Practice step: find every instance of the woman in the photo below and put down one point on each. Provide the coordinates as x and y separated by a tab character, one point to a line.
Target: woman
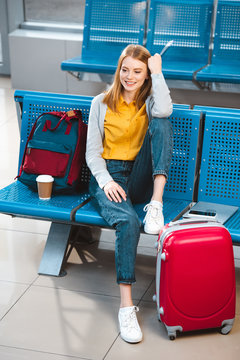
129	150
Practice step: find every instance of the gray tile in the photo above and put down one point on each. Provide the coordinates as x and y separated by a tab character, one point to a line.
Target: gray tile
205	345
20	255
237	275
236	250
148	296
8	162
7	353
8	222
5	83
10	293
61	322
92	269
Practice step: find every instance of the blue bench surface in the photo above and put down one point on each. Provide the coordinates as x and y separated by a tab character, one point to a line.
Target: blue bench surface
215	109
220	165
188	24
18	200
109	26
225	64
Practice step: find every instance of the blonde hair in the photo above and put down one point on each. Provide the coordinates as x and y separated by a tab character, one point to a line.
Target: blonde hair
112	96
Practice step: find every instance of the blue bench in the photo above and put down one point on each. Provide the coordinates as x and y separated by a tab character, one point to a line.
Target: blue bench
215	109
220	165
225	64
188	24
203	50
109	26
67	211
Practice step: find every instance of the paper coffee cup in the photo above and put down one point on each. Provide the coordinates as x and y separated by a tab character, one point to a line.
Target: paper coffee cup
44	184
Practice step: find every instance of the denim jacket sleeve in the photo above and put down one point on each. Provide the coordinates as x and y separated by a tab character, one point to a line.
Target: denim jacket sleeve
159	103
95	136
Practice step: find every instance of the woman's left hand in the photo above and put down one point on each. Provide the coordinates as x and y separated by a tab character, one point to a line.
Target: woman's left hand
155	64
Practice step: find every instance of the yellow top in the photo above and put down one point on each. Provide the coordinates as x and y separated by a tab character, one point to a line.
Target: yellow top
124	131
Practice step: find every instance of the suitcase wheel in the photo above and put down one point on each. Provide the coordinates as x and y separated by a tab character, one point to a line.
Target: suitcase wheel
172	335
226	329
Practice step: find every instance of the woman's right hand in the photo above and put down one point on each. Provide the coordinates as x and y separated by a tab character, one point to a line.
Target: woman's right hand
155	64
114	192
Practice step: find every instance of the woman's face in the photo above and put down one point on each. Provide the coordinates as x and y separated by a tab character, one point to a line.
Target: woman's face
133	73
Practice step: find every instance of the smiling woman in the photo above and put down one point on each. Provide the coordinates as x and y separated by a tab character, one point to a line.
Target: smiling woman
129	150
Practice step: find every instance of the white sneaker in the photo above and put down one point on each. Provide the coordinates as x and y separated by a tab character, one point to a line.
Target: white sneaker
129	328
153	221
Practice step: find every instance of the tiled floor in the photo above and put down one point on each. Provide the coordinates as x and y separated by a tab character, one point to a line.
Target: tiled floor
75	317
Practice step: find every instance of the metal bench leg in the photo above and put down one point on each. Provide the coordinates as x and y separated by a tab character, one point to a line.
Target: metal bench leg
55	249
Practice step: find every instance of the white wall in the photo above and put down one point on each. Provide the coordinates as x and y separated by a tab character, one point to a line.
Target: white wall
35	62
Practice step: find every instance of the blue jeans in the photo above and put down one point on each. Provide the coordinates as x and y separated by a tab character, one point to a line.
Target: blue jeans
136	178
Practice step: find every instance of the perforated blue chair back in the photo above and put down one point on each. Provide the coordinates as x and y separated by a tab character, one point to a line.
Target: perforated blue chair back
110	25
227	33
188	23
220	165
182	171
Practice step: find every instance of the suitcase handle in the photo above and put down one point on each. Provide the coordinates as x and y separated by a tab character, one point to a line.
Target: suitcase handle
191	221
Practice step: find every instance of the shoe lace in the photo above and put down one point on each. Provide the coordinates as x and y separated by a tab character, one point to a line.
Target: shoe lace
130	320
152	211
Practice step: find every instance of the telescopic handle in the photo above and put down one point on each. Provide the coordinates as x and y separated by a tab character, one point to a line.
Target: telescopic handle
169	43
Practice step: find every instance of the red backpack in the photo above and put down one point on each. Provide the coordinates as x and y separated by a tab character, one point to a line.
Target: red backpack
56	146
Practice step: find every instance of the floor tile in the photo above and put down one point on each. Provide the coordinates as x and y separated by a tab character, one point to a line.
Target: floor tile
8	353
9	149
10	293
5	83
237	301
237	275
92	269
236	250
20	256
61	322
7	110
205	345
8	222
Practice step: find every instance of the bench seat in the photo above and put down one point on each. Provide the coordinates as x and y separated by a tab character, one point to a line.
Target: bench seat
18	200
172	208
91	65
180	70
233	225
221	72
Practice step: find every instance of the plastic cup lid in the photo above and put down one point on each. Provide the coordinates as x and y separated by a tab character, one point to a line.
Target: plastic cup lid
44	178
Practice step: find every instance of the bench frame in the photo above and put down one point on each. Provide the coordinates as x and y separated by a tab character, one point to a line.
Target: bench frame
75	213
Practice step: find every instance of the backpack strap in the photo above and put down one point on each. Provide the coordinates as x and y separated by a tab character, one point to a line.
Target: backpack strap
68	116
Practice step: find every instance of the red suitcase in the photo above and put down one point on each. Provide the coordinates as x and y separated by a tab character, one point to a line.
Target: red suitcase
195	277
